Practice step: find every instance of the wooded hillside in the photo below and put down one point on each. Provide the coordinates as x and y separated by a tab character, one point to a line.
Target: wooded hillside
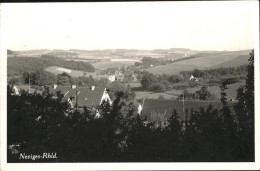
18	65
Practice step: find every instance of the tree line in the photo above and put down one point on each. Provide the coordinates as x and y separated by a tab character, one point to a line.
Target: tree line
38	123
148	61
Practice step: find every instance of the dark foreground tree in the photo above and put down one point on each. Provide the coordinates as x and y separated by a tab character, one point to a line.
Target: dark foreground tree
228	127
245	115
34	121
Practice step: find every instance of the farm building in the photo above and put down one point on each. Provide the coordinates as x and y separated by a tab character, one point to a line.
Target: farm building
119	76
134	77
80	97
161	109
192	78
111	78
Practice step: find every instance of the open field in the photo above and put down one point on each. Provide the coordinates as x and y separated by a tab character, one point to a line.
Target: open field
58	70
174	68
239	60
173	94
204	62
73	73
112	64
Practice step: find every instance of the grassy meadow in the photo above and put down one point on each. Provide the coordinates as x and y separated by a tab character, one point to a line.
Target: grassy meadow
239	60
174	93
73	73
208	61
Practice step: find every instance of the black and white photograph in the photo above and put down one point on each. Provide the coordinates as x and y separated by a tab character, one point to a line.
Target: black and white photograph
171	82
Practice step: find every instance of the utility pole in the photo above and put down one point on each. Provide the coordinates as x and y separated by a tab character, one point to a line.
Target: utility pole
183	110
76	100
183	103
29	94
29	86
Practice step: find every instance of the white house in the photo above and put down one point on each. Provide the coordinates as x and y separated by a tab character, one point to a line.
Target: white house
82	96
111	78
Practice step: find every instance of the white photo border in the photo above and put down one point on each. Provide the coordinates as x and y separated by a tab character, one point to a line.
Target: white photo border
120	166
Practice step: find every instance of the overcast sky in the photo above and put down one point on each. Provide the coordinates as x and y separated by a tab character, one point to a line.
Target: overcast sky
139	25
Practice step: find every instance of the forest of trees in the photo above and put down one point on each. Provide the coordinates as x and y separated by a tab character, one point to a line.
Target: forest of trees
148	61
18	65
39	77
38	123
217	74
202	94
161	83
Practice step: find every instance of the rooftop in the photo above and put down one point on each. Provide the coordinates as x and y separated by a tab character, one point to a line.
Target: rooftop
163	108
85	96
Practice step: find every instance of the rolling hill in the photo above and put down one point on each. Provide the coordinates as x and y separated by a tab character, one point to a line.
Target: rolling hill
239	60
210	60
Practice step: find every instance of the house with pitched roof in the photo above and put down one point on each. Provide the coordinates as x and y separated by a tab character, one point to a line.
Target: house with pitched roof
160	110
80	97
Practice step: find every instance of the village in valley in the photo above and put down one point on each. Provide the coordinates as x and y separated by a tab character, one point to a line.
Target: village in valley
142	72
